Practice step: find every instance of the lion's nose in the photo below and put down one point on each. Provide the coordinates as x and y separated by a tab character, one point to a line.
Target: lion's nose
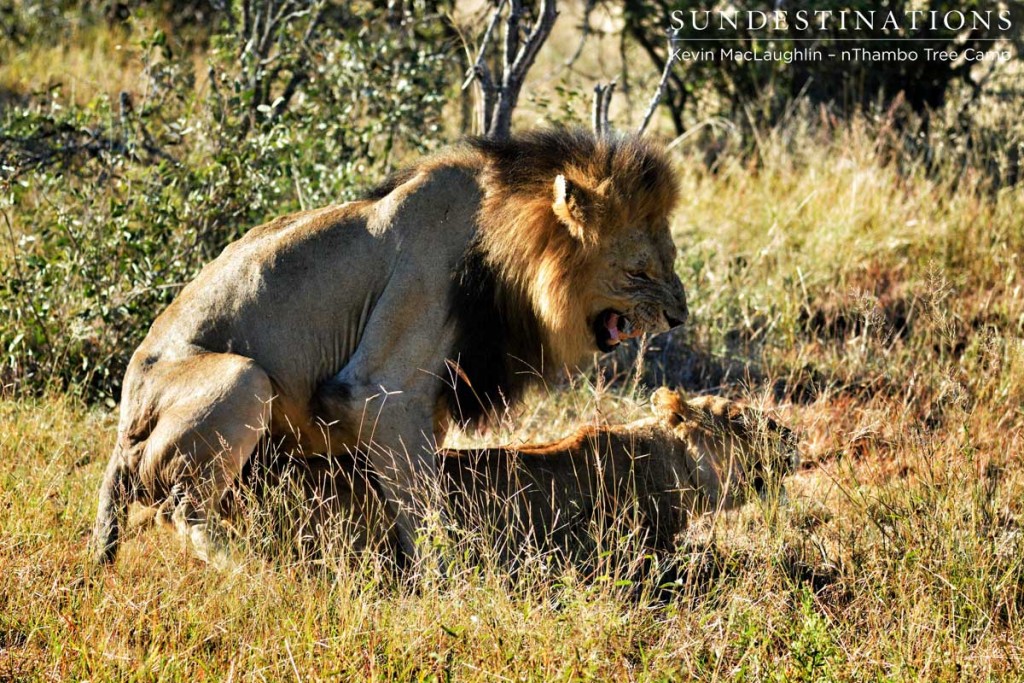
678	316
674	321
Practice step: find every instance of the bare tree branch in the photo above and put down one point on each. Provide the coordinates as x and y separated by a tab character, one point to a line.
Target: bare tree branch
512	80
541	31
584	33
660	91
275	61
479	67
482	74
498	97
246	17
512	35
602	102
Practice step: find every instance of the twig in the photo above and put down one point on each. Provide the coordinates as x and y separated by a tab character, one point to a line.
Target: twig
714	122
584	33
659	92
602	102
479	67
291	659
512	80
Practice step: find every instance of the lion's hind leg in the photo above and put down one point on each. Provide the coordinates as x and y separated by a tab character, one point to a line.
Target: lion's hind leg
210	412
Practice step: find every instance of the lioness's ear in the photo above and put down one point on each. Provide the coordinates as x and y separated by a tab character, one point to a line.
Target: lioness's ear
575	207
669	405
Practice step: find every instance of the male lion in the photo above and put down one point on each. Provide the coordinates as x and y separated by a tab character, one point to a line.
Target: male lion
647	476
369	325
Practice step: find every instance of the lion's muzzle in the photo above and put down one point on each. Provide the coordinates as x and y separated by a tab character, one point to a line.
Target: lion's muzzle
611	328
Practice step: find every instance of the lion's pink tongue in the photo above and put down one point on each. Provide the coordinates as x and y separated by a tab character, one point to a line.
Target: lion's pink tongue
612	323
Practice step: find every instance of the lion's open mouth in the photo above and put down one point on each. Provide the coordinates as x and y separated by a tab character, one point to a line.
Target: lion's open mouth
611	328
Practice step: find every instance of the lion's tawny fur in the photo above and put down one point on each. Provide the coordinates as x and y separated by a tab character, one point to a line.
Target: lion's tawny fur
372	324
650	476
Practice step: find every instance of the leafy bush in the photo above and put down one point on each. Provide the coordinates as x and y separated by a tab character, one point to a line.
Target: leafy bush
110	207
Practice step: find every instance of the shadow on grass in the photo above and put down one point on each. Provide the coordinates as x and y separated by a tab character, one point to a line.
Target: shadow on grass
671	360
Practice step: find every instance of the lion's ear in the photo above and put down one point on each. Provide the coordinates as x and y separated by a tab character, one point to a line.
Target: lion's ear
576	208
669	405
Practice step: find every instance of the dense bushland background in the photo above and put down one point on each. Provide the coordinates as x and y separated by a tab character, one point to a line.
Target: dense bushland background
851	244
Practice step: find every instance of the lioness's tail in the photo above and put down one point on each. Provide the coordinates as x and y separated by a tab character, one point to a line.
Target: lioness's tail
112	510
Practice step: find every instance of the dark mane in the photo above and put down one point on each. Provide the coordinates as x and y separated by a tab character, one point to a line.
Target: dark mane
638	170
498	347
527	163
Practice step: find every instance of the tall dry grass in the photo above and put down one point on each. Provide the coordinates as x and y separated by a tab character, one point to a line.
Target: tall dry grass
863	289
877	307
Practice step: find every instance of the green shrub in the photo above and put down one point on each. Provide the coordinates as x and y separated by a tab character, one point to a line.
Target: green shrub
110	207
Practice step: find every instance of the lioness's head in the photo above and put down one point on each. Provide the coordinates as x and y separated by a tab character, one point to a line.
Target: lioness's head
736	450
581	224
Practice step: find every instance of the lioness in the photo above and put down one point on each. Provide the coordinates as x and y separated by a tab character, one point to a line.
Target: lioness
369	325
649	476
